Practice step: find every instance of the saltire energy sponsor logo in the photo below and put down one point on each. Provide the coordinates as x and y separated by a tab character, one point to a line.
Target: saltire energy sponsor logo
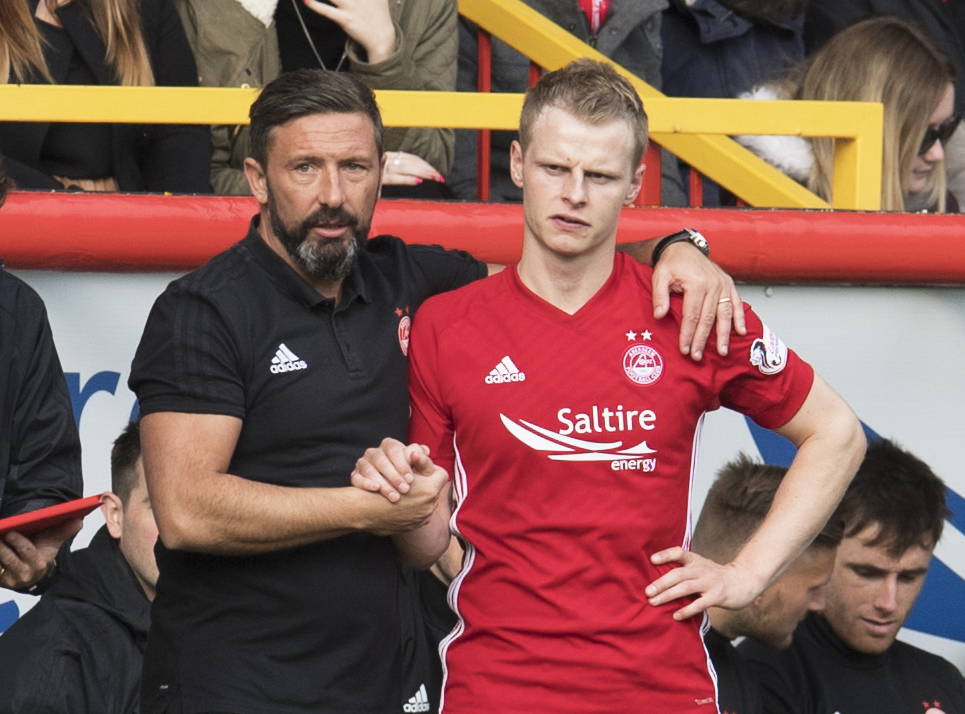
560	447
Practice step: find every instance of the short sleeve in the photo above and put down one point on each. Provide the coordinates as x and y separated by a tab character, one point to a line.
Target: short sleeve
762	378
188	359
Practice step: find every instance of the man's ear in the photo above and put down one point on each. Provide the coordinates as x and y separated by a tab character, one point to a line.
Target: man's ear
257	181
516	163
113	511
636	184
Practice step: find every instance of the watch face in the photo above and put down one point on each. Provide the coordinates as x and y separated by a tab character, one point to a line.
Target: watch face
699	241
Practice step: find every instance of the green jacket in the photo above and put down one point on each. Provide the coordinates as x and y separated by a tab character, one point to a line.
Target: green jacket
234	49
426	60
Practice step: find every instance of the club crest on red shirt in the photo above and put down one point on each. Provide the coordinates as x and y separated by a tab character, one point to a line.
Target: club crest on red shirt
642	364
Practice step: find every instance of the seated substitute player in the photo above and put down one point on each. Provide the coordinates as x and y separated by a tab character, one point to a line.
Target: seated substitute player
735	507
569	420
847	658
80	649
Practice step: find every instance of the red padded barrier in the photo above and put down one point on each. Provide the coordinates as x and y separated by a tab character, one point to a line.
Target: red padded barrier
111	232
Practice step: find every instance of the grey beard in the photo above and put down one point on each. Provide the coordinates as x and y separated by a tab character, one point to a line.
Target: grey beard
330	261
326	262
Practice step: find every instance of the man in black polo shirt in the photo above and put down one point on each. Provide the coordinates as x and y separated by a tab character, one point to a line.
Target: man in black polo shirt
262	377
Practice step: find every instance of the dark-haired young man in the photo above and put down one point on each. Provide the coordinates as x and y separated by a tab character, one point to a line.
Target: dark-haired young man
847	658
79	650
570	423
262	377
736	505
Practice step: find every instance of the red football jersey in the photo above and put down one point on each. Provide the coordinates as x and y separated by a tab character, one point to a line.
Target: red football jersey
571	441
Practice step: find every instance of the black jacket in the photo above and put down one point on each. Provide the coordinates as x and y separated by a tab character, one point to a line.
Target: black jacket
170	157
820	674
79	650
39	445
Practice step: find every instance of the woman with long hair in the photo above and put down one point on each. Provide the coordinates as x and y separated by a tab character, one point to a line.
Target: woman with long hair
881	59
100	42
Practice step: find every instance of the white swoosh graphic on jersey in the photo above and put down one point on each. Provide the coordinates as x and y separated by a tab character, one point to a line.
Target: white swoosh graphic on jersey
578	443
558	442
530	439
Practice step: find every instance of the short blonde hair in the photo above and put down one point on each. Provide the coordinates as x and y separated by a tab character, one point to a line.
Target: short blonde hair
882	59
591	91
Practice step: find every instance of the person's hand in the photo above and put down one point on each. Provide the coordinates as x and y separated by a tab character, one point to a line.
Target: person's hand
709	295
368	22
714	585
394	469
391	468
386	470
26	561
108	184
402	169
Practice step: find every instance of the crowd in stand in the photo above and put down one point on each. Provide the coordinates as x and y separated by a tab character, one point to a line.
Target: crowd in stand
278	581
691	48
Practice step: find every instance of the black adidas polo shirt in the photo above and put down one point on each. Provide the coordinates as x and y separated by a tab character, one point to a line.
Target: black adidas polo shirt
311	629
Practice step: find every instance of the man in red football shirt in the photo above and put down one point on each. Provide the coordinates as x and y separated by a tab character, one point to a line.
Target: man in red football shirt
569	421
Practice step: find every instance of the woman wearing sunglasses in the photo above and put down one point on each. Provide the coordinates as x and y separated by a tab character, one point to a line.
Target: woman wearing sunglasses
881	59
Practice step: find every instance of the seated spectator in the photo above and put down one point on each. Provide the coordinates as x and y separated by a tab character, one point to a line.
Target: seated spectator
721	48
942	22
736	505
847	658
881	59
402	44
235	45
79	650
96	42
628	33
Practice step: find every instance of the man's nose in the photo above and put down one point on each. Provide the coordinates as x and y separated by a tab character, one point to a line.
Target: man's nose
886	598
574	190
330	191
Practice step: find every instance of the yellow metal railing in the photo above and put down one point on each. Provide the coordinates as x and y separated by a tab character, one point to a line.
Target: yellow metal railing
694	129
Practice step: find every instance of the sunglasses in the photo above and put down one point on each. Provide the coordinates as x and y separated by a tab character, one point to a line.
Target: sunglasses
943	132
